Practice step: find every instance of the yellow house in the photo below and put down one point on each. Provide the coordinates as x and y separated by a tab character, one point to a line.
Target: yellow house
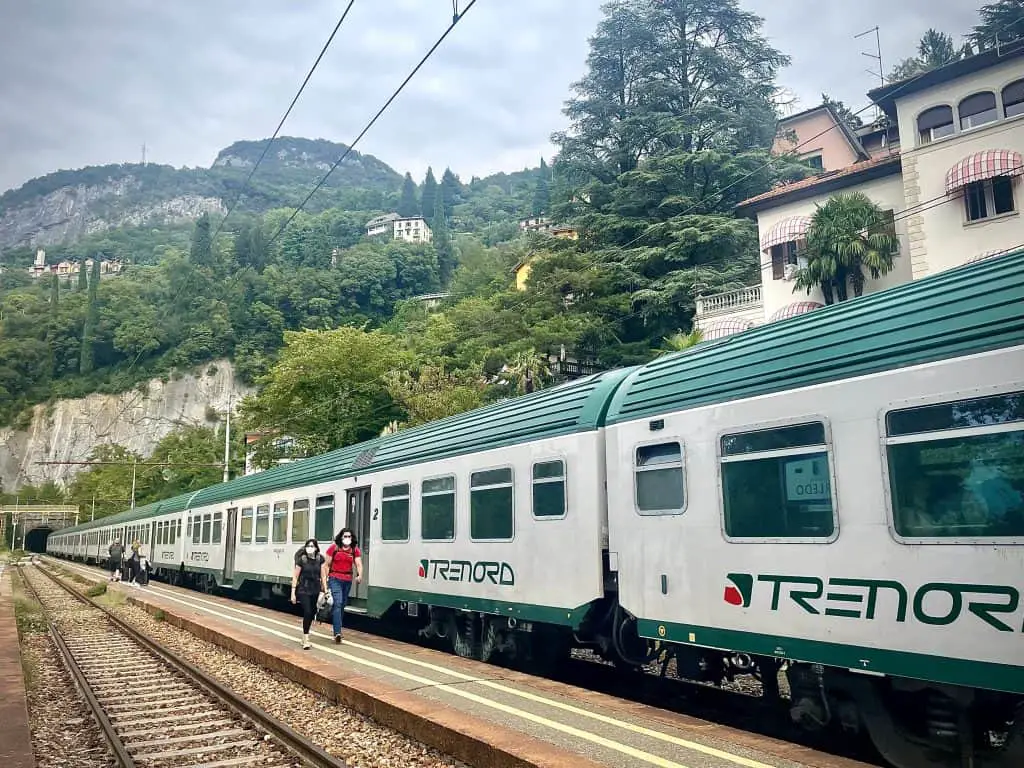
565	233
521	272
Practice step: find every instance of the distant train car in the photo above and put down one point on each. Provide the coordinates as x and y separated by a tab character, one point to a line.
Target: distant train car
840	494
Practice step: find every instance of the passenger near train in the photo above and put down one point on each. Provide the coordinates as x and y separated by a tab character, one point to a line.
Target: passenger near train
839	496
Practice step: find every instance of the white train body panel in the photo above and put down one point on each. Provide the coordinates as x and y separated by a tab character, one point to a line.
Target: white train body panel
691	551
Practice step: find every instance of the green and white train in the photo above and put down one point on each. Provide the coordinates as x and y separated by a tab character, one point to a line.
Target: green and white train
838	496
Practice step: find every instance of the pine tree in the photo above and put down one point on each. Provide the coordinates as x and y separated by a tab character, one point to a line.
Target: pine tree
442	239
87	362
407	205
450	191
83	277
542	192
202	246
54	292
429	195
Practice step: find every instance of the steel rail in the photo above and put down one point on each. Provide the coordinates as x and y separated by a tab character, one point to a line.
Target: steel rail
304	749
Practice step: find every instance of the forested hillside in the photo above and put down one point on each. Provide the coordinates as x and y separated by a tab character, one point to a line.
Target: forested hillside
658	153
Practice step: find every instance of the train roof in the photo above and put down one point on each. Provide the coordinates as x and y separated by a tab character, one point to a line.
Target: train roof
966	310
577	406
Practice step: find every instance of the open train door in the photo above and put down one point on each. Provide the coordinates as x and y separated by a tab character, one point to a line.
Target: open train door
357	517
230	541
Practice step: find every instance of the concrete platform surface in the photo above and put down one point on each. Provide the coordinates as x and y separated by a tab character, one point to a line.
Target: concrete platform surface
15	736
598	728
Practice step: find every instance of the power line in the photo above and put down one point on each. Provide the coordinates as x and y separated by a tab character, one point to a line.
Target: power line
456	18
284	117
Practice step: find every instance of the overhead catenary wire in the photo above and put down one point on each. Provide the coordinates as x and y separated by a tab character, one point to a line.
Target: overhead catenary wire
456	18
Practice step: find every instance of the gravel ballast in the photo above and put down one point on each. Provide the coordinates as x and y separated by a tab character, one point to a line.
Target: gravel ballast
342	732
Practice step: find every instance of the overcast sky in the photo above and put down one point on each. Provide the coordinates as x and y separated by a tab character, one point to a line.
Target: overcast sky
87	82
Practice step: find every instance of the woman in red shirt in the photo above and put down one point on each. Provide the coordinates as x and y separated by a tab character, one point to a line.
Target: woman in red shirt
344	560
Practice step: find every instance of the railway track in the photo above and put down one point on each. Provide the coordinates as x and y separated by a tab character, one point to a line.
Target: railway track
155	710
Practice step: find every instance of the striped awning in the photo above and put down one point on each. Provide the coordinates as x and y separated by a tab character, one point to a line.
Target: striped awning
786	231
984	165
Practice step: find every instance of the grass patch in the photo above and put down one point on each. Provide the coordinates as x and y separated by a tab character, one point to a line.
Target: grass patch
28	616
96	590
159	615
113	599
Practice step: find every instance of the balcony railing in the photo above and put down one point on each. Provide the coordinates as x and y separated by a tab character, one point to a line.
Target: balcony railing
730	301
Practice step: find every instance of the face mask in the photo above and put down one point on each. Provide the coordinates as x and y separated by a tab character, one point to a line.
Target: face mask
346	540
310	551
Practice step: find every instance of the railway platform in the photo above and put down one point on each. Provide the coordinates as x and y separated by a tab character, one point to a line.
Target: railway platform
482	714
15	735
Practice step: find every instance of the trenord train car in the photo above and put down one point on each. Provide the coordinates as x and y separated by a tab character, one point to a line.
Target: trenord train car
838	496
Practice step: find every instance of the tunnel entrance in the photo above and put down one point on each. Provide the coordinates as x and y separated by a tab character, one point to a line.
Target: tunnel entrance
35	540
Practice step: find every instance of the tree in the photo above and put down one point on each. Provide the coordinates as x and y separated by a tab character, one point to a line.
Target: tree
109	484
442	239
407	205
429	197
935	49
83	276
671	127
326	390
848	235
434	393
845	114
451	191
1001	21
92	313
201	253
54	292
542	192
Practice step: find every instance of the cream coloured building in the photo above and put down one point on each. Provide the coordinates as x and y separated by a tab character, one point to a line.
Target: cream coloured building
413	230
946	162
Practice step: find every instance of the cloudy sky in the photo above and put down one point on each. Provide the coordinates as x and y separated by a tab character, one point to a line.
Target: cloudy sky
87	82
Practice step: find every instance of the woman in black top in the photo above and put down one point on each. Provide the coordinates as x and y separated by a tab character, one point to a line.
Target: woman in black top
307	581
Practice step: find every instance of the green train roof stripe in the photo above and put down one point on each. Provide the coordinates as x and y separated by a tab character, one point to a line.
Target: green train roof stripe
965	310
577	406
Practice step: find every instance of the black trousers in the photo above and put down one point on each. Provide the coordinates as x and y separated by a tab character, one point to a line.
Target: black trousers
308	603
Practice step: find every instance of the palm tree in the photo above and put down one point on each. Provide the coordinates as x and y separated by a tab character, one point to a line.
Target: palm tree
680	341
848	235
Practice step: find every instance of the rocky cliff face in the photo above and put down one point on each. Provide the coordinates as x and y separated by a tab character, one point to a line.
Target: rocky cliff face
68	430
70	212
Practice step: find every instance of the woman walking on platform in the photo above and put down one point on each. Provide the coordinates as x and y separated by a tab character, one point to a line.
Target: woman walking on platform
307	580
343	561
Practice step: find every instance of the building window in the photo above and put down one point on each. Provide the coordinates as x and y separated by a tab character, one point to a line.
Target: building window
783	255
245	528
816	162
1013	99
394	513
491	504
437	509
324	525
956	470
978	109
549	489
659	479
280	528
935	123
300	520
988	198
775	484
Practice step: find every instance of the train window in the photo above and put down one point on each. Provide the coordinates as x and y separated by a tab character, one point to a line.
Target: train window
324	524
197	530
659	479
179	526
207	527
188	528
218	525
491	504
280	528
437	509
245	529
394	513
172	530
161	533
300	520
549	489
776	484
262	523
956	469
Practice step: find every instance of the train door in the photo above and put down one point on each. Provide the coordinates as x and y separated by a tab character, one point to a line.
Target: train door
230	540
151	549
357	517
